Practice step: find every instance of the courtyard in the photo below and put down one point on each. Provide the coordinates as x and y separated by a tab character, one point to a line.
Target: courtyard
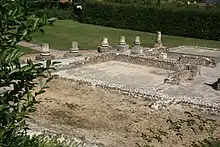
106	118
111	102
108	74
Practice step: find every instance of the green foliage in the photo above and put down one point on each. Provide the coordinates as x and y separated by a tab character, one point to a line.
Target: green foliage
62	14
42	140
195	123
186	22
18	82
139	2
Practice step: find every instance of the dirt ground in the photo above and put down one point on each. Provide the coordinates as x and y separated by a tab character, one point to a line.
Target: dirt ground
108	117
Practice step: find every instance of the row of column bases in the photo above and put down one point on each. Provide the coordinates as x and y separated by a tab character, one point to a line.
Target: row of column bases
104	47
123	46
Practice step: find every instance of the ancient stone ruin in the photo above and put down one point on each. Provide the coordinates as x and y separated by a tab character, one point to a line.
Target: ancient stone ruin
74	51
198	60
158	41
185	67
104	47
139	71
122	46
45	53
137	48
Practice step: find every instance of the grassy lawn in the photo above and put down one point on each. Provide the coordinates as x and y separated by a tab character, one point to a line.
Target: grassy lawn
27	50
89	36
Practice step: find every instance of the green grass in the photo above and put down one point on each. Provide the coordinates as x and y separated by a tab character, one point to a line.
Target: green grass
27	50
89	36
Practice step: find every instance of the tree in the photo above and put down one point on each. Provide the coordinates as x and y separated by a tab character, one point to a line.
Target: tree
18	82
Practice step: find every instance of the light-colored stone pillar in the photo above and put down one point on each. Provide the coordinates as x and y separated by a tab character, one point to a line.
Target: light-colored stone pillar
105	42
74	51
158	41
45	49
122	46
45	53
104	47
122	40
137	40
74	48
137	48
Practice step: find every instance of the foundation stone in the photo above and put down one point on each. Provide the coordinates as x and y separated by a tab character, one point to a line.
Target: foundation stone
74	51
122	46
45	53
104	47
137	48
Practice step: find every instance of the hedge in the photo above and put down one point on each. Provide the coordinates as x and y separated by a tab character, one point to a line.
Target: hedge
194	23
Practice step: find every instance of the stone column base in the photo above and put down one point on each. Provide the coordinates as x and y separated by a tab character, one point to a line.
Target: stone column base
69	54
103	49
44	58
122	48
137	49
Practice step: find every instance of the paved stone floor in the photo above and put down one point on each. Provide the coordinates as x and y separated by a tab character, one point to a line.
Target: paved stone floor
123	73
138	76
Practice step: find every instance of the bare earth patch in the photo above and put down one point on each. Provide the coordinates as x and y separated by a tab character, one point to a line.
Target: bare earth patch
103	116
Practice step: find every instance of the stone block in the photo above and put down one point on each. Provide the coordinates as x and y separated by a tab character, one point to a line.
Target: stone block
71	54
137	48
122	46
104	47
44	57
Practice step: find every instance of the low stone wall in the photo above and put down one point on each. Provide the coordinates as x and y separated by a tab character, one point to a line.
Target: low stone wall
185	73
148	61
182	72
198	60
150	93
103	57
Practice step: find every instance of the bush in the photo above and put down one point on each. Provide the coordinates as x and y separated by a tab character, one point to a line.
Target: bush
180	22
18	83
41	140
62	14
141	2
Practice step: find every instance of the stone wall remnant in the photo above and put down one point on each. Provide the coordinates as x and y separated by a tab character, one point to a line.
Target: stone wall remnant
104	47
137	48
122	46
180	72
163	55
45	53
185	73
198	60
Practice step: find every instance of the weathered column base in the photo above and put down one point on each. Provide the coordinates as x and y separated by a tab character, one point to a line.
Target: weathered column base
137	49
158	45
103	49
72	54
44	57
122	48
